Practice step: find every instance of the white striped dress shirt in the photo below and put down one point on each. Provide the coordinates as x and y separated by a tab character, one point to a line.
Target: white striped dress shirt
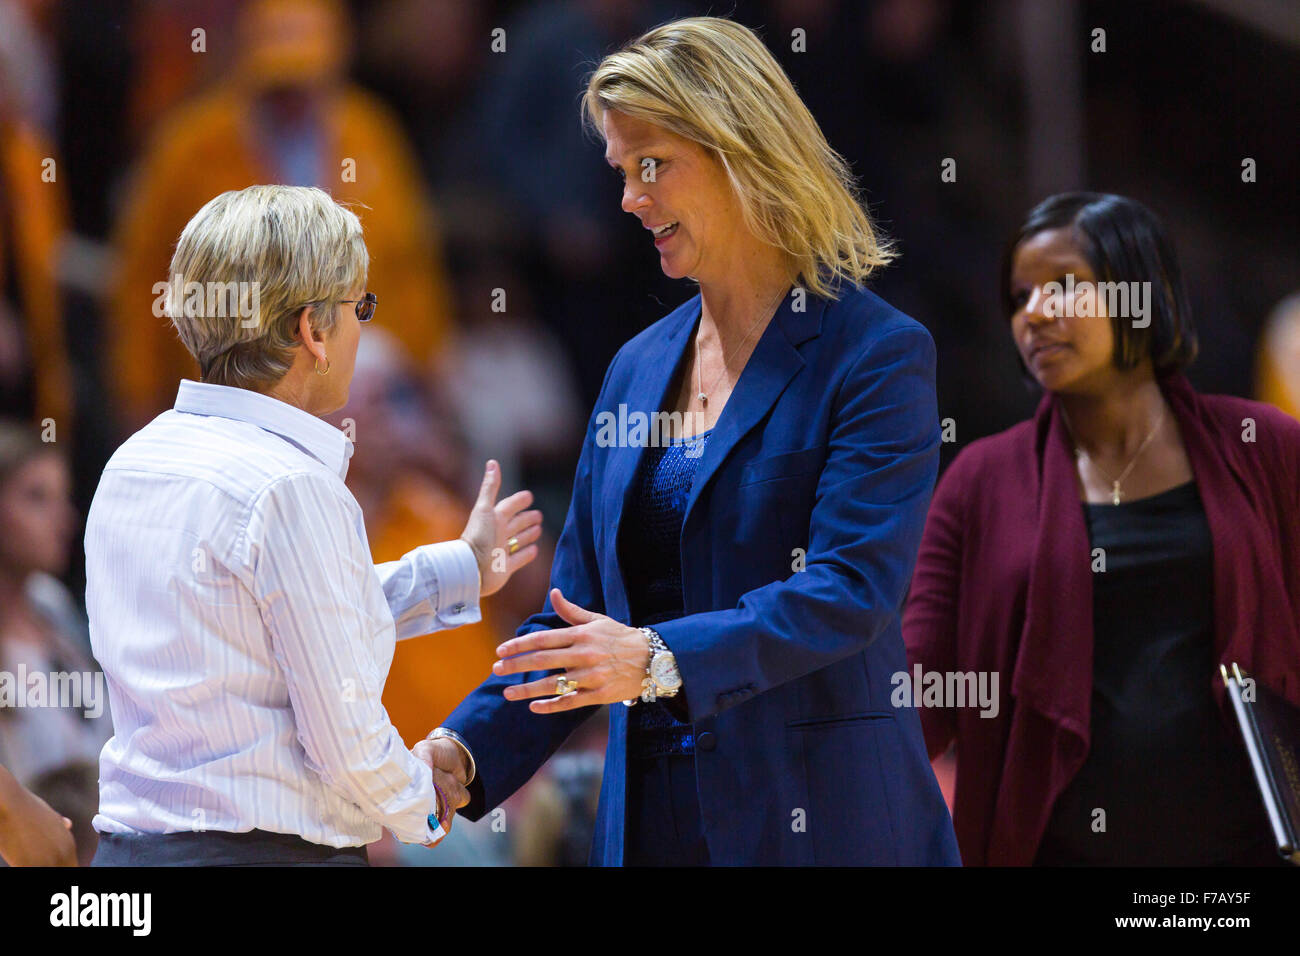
246	634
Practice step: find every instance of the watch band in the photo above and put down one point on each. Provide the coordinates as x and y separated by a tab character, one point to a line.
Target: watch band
459	741
651	689
653	639
649	686
656	642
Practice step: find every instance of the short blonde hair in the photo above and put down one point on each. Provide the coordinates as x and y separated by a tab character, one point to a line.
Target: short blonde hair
278	249
713	81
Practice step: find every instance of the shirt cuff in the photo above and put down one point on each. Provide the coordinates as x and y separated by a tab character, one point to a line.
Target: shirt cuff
457	574
412	816
432	588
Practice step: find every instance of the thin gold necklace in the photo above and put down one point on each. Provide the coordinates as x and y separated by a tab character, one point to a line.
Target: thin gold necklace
1115	493
699	379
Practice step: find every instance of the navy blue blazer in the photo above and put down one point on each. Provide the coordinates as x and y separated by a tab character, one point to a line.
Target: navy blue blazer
797	547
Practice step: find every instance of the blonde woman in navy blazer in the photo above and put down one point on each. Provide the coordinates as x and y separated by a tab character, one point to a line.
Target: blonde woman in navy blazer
768	546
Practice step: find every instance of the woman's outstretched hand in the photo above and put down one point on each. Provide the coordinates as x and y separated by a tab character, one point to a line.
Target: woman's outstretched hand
605	659
495	528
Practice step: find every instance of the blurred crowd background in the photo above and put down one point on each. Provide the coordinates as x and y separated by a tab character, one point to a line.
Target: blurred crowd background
508	276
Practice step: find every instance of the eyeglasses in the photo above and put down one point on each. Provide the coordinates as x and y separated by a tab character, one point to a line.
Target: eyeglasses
365	306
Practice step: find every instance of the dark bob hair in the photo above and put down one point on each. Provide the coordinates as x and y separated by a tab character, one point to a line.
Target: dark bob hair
1123	241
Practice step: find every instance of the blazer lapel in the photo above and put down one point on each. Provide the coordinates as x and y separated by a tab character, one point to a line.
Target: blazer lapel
647	390
774	362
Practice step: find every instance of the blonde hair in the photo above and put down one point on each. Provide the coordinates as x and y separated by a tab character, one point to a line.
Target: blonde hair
277	249
713	81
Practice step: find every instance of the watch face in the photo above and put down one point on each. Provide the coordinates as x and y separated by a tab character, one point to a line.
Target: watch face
664	671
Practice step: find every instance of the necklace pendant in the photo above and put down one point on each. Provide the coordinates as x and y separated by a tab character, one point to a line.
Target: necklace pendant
704	399
1114	493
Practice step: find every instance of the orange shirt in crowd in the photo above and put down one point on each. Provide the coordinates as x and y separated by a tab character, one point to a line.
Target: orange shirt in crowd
38	207
1277	369
431	674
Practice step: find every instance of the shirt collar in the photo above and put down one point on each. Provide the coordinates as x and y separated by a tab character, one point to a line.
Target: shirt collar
313	435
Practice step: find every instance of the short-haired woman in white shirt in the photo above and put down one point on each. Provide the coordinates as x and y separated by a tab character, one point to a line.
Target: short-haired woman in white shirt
245	632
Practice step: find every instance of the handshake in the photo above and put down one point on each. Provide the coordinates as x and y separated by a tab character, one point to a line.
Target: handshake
503	537
600	660
453	771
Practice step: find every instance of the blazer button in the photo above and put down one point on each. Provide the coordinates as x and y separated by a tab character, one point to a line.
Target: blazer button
707	740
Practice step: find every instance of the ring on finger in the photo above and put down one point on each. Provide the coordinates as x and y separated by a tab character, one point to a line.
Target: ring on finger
512	544
564	686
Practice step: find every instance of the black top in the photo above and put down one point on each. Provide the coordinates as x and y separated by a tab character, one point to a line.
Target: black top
650	553
1175	784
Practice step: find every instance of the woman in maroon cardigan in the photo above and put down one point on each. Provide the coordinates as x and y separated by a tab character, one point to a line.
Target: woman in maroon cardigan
1101	560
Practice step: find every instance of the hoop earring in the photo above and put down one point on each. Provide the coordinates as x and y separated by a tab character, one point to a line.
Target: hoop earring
327	366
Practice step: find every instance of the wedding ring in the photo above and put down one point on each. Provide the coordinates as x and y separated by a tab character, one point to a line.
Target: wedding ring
512	544
564	686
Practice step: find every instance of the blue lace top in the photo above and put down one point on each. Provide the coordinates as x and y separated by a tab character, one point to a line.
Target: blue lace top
652	566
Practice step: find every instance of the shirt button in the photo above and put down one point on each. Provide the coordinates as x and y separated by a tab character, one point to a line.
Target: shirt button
707	740
458	608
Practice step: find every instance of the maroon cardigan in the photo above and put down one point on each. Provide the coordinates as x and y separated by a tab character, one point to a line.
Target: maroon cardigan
1003	583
